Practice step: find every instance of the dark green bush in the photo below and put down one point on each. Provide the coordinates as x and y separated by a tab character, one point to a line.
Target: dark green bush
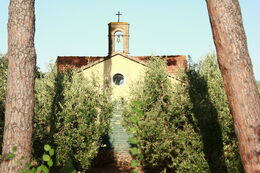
84	118
160	117
184	126
210	108
72	113
46	107
3	80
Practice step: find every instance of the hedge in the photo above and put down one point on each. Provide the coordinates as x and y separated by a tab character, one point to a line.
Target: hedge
163	123
72	114
183	126
214	118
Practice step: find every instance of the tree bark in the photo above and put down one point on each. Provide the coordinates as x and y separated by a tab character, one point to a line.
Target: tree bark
239	82
20	85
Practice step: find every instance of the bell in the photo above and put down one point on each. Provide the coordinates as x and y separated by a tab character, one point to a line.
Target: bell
118	39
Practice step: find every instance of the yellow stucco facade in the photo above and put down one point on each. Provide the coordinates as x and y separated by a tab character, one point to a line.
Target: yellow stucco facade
105	70
117	64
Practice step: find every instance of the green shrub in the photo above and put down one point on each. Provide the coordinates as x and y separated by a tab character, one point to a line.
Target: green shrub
84	118
185	126
160	117
71	114
213	116
3	80
46	164
46	107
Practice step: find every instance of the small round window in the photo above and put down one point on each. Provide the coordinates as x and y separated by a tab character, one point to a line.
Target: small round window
118	79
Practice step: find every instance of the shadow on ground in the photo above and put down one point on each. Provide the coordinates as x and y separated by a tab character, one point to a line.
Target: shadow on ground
109	162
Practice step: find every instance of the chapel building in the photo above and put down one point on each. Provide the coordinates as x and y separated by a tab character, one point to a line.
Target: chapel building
118	67
120	70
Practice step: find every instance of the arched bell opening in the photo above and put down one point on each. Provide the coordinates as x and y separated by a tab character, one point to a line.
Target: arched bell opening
118	38
119	42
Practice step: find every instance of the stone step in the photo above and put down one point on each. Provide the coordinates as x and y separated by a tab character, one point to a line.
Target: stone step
118	135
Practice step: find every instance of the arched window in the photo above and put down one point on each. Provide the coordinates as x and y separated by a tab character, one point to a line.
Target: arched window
119	41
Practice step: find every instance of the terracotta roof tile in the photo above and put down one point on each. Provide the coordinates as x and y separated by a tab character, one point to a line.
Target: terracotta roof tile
174	62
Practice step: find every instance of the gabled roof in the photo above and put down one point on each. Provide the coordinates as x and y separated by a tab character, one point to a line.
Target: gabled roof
174	62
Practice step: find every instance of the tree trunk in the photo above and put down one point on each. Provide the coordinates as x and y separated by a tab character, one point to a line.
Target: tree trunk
240	85
20	85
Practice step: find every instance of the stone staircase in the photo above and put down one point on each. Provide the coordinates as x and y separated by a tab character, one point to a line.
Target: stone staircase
118	136
116	157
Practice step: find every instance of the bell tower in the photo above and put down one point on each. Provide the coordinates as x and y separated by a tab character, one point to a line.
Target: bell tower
118	32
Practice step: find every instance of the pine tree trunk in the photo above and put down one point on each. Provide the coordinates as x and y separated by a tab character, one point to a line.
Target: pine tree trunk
20	85
240	85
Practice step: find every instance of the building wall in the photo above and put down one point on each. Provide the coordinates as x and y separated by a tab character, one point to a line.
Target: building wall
105	70
131	70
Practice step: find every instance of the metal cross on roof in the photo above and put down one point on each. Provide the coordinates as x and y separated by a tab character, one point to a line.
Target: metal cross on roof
118	15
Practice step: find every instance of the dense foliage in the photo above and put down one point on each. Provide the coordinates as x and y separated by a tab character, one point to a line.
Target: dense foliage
210	108
85	115
185	126
182	126
46	104
160	117
71	114
3	79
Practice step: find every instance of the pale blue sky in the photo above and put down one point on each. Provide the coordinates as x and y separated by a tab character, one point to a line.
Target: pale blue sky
79	27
